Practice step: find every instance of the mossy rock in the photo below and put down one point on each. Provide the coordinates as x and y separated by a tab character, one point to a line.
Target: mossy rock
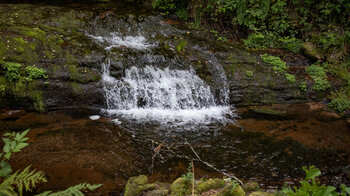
180	187
157	192
260	193
310	51
250	186
137	185
268	113
207	185
231	191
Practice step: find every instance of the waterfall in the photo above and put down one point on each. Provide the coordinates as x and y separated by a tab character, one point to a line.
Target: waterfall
149	93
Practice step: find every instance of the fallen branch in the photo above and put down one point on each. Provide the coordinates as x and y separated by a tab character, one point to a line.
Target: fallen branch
211	166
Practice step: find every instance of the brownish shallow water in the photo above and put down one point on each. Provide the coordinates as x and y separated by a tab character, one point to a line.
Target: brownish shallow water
271	149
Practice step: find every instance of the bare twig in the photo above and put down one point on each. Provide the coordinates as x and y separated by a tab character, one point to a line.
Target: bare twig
192	178
168	149
211	166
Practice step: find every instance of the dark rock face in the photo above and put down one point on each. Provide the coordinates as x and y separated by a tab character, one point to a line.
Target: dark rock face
58	39
51	38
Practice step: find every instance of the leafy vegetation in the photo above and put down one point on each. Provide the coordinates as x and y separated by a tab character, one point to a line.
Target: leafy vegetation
35	73
277	64
189	175
2	89
12	70
27	179
303	86
340	101
249	73
181	45
318	74
261	41
311	186
290	78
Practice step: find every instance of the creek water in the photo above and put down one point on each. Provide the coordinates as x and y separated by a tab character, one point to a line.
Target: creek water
160	114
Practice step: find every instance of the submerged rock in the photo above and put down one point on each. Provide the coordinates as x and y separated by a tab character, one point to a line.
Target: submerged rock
11	114
266	113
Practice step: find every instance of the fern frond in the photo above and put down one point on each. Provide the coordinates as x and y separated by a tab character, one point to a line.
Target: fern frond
6	188
26	179
73	190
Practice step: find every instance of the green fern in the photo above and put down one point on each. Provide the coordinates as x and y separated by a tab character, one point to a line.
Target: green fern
73	190
25	180
6	188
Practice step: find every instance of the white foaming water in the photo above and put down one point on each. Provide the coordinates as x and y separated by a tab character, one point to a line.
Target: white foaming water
114	40
162	95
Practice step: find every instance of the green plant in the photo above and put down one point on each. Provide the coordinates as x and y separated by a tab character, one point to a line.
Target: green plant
290	78
35	73
264	41
2	89
340	101
189	175
249	73
277	63
289	43
257	41
181	45
311	186
218	36
14	142
12	70
303	86
25	180
318	74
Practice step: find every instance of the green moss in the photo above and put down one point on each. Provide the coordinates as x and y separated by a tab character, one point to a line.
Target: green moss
269	98
210	184
35	33
48	54
250	186
137	185
36	96
2	89
267	111
277	63
78	89
19	88
19	50
260	193
2	50
231	191
179	187
249	73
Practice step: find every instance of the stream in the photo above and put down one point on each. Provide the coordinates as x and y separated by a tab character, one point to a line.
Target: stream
165	106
